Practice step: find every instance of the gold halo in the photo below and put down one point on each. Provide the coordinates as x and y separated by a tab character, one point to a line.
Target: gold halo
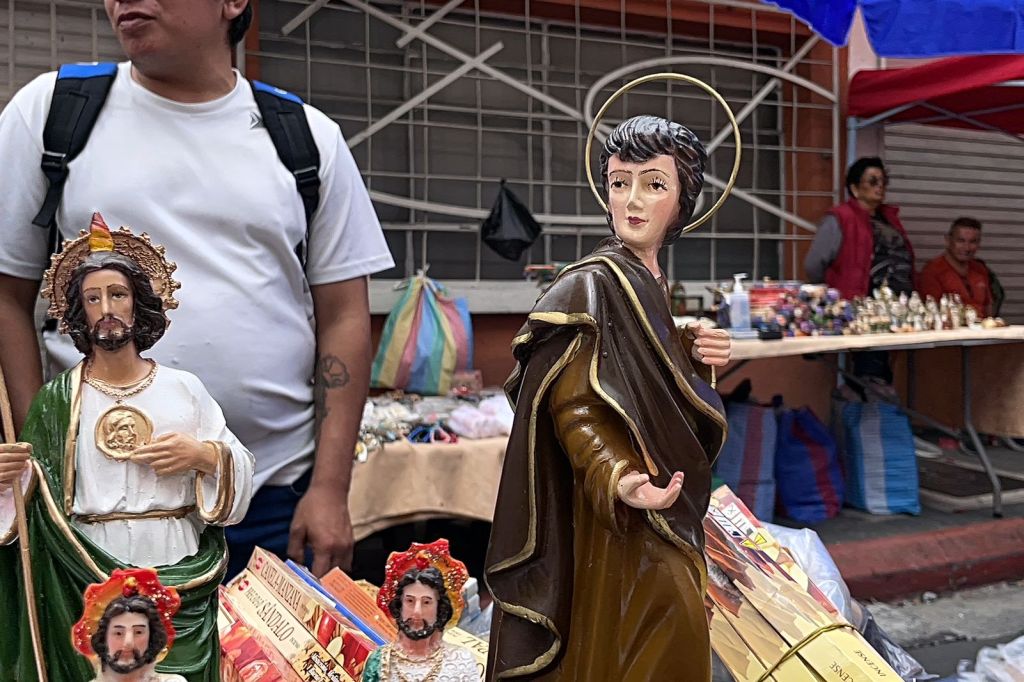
150	257
686	79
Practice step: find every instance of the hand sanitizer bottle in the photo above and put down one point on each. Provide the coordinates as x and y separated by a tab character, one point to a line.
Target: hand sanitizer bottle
739	305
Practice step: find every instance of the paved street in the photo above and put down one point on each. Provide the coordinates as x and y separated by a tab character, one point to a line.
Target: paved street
941	630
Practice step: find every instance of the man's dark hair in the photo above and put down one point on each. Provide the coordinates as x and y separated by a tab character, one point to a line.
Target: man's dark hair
121	606
432	578
239	25
964	221
150	322
855	173
640	139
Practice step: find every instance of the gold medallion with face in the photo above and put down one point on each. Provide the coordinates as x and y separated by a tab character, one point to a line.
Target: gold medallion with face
121	430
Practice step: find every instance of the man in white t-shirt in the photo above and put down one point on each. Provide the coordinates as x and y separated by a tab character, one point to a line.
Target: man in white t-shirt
179	152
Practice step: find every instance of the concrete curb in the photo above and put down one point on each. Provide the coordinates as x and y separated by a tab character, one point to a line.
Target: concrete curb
935	561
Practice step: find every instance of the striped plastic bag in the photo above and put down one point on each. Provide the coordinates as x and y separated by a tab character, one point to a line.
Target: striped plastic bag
807	469
877	447
747	460
427	337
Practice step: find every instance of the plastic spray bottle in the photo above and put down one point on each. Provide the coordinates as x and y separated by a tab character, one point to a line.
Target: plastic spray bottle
739	304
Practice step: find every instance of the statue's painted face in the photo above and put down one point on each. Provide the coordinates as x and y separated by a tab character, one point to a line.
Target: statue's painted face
109	308
643	199
419	610
127	642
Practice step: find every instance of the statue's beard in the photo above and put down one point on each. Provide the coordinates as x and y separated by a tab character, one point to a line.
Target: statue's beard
415	634
123	668
111	333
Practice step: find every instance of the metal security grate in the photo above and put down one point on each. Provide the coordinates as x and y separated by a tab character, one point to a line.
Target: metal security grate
441	103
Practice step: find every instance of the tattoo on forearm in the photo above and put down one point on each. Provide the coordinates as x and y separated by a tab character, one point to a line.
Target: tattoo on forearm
331	373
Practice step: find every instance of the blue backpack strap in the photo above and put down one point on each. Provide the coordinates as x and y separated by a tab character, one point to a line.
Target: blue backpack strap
285	120
78	96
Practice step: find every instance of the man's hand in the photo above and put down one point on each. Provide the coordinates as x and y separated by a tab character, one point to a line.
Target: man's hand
13	460
637	491
176	453
711	346
322	523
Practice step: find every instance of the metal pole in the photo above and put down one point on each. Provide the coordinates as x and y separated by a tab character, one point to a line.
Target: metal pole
7	421
997	488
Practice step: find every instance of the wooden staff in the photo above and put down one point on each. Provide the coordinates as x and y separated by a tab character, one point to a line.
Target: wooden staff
7	421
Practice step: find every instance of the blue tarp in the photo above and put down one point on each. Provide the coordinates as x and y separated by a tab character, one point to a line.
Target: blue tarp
919	28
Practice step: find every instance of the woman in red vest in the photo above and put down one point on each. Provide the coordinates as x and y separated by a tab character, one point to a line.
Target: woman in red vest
861	244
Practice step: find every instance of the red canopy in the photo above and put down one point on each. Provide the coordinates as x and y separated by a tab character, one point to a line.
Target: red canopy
965	86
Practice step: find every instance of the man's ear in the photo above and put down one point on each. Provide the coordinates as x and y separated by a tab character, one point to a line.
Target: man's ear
234	8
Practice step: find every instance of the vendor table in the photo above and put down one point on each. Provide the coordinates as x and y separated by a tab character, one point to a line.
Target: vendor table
1001	387
406	482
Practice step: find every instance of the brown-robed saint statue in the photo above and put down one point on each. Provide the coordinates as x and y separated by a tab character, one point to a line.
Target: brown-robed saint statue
596	556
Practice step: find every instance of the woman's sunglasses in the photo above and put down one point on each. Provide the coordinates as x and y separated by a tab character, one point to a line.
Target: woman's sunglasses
876	180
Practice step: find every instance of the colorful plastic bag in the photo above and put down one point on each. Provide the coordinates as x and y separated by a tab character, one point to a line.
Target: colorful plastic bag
427	337
747	461
808	477
877	446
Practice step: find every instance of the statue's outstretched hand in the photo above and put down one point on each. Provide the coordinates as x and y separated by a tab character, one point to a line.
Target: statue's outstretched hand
13	460
711	346
637	491
176	453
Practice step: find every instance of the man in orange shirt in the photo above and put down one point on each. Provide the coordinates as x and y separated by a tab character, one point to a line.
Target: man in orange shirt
957	270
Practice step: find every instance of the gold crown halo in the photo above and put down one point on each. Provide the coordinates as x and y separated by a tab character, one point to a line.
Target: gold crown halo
139	248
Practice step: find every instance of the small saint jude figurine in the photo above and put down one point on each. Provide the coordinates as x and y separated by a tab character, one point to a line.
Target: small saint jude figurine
596	558
422	591
126	627
127	464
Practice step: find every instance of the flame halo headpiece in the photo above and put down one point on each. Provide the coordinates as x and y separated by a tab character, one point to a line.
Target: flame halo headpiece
420	556
142	582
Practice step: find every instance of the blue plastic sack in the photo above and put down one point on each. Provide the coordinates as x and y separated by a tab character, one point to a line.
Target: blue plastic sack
747	461
808	477
879	457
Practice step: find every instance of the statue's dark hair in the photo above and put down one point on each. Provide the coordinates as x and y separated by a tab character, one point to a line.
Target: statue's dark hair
640	139
239	25
133	604
431	577
150	321
855	173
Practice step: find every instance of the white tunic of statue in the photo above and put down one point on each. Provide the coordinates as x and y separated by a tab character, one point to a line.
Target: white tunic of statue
176	402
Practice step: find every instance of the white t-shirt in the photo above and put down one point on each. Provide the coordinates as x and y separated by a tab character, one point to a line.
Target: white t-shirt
205	181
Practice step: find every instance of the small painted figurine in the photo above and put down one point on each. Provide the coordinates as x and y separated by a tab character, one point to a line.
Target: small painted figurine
127	627
423	592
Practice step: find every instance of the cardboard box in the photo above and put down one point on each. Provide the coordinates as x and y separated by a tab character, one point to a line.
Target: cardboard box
258	605
245	655
768	608
339	637
360	604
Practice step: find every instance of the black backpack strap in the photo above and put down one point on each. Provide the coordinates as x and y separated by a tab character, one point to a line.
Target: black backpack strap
285	120
78	96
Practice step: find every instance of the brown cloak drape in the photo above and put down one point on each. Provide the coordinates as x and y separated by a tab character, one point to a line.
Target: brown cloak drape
585	587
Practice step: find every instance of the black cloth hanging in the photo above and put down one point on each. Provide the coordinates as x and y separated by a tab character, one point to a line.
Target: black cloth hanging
509	229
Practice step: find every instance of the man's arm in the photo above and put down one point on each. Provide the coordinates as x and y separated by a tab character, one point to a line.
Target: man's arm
19	345
824	249
341	383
